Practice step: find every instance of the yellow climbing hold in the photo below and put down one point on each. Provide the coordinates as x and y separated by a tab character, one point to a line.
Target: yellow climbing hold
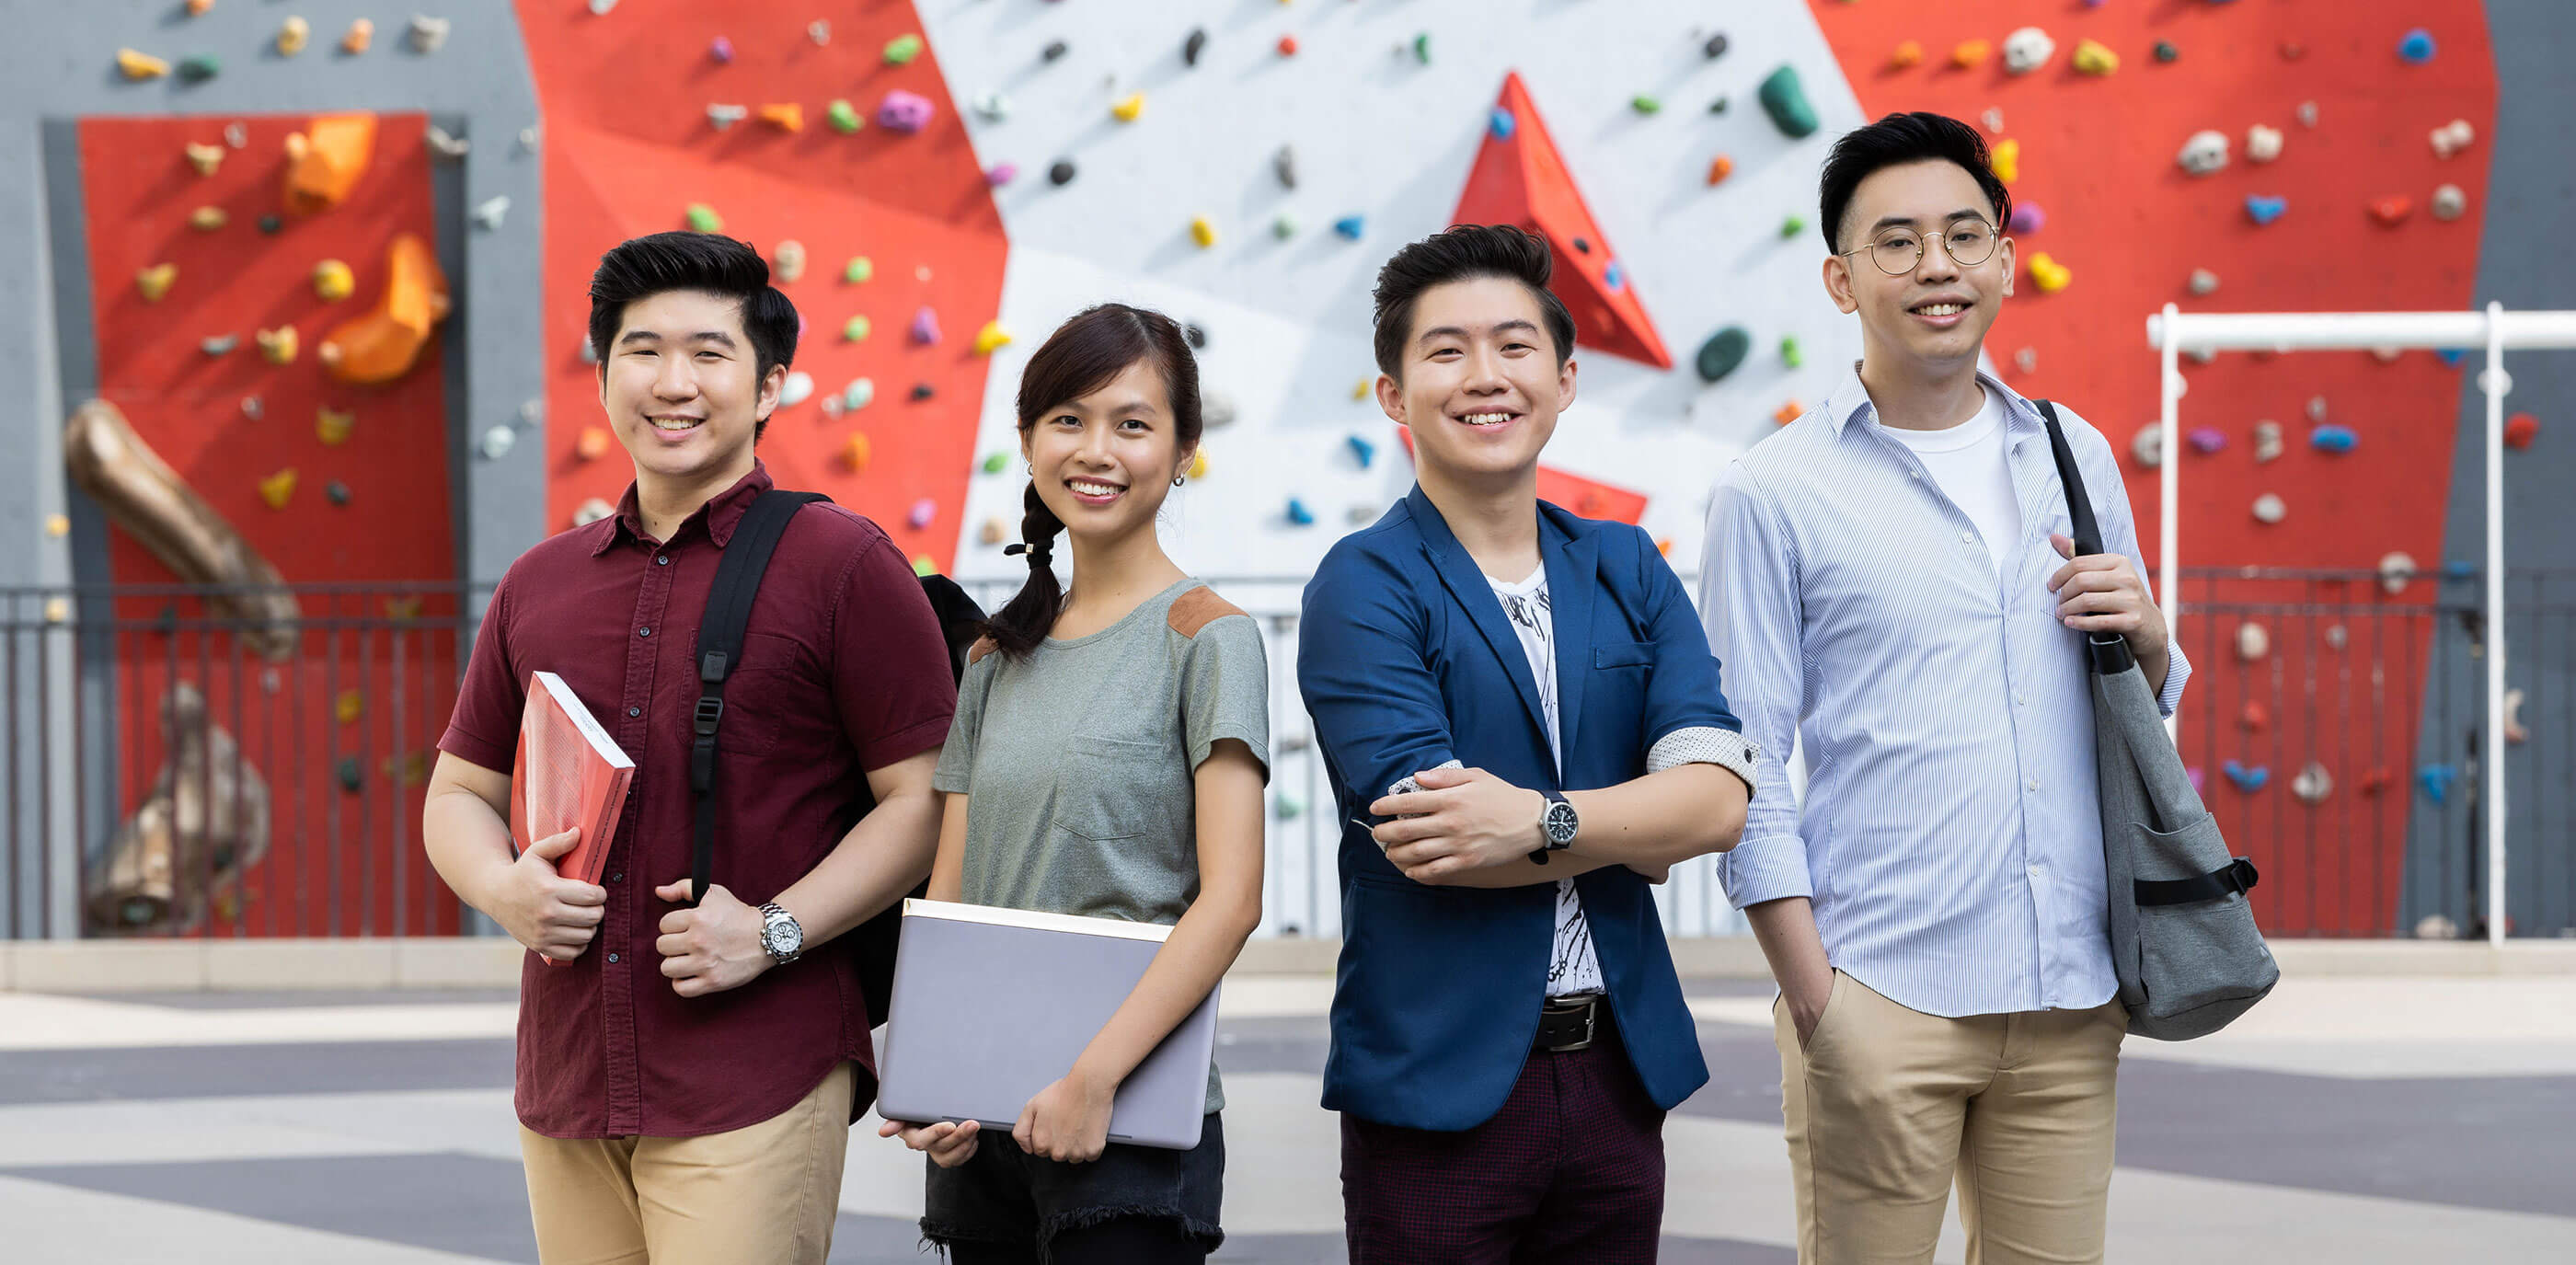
1907	54
1360	389
58	525
292	37
349	706
2048	274
333	281
278	345
991	337
1199	464
205	158
2007	160
140	65
277	488
2092	57
207	219
155	281
1202	232
1128	107
332	426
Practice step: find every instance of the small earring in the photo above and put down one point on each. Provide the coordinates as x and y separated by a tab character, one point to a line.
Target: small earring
1176	482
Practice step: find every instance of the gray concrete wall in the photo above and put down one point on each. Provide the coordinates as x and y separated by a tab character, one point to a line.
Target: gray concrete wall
2525	261
57	64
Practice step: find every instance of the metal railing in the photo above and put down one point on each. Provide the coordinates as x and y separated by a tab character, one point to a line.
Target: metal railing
214	779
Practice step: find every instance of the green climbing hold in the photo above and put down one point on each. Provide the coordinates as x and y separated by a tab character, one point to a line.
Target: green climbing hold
1723	351
1793	225
900	50
1790	353
703	219
199	68
1644	104
844	117
1422	48
1284	227
2165	51
858	270
996	462
855	329
1785	100
1718	106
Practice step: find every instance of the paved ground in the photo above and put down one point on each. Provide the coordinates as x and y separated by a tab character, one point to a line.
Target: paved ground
2347	1120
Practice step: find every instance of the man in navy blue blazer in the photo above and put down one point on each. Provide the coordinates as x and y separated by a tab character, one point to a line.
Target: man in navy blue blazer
1524	729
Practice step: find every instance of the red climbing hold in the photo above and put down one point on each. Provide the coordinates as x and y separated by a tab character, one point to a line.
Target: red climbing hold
1287	45
2520	429
1519	178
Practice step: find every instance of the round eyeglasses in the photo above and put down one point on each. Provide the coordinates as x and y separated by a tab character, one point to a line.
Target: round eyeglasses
1898	250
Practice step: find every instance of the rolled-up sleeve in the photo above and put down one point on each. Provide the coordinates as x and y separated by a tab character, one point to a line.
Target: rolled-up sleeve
1749	605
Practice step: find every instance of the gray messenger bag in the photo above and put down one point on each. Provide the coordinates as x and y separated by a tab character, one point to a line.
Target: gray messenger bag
2183	940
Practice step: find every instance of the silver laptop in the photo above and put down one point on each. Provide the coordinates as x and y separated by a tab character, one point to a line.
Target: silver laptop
992	1005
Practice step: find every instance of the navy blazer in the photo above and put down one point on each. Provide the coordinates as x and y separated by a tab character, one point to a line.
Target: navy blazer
1406	659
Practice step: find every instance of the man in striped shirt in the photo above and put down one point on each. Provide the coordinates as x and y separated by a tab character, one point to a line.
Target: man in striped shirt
1889	579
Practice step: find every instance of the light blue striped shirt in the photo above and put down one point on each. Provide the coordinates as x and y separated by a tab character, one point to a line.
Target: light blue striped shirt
1950	837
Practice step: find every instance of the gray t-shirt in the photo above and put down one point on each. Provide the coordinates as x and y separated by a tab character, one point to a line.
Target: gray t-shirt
1077	761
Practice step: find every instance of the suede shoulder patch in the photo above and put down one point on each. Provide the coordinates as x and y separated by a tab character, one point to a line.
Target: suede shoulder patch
1197	609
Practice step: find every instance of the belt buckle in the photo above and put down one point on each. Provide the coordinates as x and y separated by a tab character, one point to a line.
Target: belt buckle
1591	1017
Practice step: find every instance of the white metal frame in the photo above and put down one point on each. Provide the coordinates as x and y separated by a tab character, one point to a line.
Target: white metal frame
2173	332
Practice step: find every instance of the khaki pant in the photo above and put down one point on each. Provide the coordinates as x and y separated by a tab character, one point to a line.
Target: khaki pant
764	1194
1887	1106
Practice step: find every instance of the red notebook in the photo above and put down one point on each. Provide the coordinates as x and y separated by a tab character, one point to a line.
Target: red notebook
568	773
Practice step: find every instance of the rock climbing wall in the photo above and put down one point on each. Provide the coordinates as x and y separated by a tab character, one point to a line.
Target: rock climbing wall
829	126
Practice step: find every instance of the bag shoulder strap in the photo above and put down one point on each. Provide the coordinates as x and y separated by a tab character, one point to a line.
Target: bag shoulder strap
2107	652
720	634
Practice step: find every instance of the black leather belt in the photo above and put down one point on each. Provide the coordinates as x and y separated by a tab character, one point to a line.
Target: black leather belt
1567	1023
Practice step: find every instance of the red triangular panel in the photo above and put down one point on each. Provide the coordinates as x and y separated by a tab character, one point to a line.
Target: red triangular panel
1521	179
1590	498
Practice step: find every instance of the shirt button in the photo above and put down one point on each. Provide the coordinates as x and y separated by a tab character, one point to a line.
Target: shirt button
2037	870
634	711
643	632
2034	784
2021	700
663	561
1968	537
612	959
618	877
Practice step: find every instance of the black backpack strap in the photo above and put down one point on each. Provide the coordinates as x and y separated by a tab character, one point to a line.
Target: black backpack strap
2108	652
720	634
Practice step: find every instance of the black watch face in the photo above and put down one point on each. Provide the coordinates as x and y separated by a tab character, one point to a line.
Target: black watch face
1560	824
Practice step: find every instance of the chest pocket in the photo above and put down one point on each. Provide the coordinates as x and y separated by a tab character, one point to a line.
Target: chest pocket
1113	788
773	698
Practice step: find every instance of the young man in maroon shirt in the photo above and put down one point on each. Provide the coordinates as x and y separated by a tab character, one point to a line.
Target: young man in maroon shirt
687	1075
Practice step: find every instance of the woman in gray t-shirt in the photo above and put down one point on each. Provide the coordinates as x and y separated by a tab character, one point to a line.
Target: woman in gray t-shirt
1107	760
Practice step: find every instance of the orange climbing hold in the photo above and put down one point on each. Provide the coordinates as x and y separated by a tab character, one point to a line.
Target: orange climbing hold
1970	53
593	443
855	452
1789	412
1907	54
383	344
786	117
1720	169
324	161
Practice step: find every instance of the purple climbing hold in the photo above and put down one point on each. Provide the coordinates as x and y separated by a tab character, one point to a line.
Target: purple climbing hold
2333	439
2264	210
903	111
925	326
1501	124
2027	218
923	511
1000	174
2207	439
2199	778
721	50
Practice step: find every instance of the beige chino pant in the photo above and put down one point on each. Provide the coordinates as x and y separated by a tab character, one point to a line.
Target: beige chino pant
1886	1107
763	1194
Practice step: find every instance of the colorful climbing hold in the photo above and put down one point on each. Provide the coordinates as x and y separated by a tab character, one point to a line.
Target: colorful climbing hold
723	114
140	65
1968	54
1061	173
1362	450
1722	353
798	388
2264	210
206	158
1718	106
1198	464
1499	124
219	345
991	338
332	426
428	34
855	329
1054	51
843	116
855	452
2166	52
2520	429
207	219
1714	46
996	462
277	346
2267	441
1128	107
1298	514
2416	47
2248	779
993	532
1643	104
2027	217
1791	354
703	218
1789	411
1283	226
1785	100
2203	152
1422	48
2206	440
2092	57
2048	274
787	261
1792	225
1905	56
923	391
923	511
2392	210
1287	46
333	281
2203	281
278	488
1351	226
199	67
2027	49
2005	159
1719	168
925	326
2449	203
858	270
786	116
360	35
1202	232
900	50
2452	137
861	393
721	49
2435	781
2333	439
2262	144
2270	508
905	112
292	36
593	443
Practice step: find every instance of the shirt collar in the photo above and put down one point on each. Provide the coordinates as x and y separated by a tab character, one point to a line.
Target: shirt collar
719	515
1851	400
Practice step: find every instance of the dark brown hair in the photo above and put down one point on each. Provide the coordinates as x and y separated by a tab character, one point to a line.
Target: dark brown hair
1081	357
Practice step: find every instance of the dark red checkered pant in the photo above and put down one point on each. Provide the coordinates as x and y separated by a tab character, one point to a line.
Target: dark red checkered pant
1570	1170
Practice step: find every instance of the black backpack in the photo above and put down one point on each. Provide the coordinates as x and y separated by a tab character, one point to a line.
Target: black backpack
720	635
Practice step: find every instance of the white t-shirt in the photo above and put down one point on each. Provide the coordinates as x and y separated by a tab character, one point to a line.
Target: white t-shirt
1572	967
1967	460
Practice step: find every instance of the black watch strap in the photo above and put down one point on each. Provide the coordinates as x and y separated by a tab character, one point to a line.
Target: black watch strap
1547	844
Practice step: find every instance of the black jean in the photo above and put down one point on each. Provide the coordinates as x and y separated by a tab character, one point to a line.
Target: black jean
1134	1203
1120	1241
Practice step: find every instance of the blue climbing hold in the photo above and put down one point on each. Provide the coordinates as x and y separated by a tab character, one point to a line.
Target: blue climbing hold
2333	439
1501	124
1364	450
2248	780
1299	514
2265	210
1351	226
1613	276
2459	569
2453	356
2435	781
2416	47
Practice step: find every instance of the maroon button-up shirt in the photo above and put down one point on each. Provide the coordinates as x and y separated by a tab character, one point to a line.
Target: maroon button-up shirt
843	670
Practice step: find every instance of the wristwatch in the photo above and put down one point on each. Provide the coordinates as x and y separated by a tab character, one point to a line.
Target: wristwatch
1556	827
781	934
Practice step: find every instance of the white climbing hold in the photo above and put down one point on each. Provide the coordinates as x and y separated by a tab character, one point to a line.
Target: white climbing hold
1993	118
2514	732
236	135
2336	636
428	34
2267	441
591	511
2204	153
2312	784
819	31
2387	355
2307	114
1216	408
992	107
528	139
489	212
2203	281
498	441
2450	202
2262	144
2253	641
2452	137
2027	360
2395	570
861	393
2203	355
724	114
2270	508
794	391
2149	445
444	145
2027	50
